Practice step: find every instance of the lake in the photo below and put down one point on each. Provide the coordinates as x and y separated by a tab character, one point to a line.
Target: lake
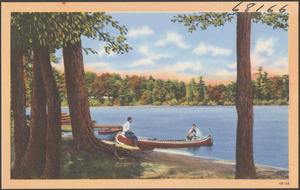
270	139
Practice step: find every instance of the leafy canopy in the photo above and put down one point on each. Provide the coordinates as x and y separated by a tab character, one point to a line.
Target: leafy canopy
30	30
202	20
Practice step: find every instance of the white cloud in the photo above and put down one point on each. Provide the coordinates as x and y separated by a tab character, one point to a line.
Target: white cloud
145	30
181	66
214	50
264	46
232	66
173	37
144	50
102	52
146	61
150	57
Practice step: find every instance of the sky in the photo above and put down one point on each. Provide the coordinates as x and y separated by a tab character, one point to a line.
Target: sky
166	50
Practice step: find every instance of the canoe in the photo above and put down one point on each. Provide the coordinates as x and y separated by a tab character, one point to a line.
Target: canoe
109	130
151	143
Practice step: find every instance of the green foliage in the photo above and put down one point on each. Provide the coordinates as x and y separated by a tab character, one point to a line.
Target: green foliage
66	128
211	103
64	102
281	102
229	103
277	20
31	30
89	77
192	103
107	103
274	91
94	102
203	20
157	103
196	93
60	83
174	102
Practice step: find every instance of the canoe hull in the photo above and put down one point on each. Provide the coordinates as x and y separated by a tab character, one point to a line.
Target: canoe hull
149	144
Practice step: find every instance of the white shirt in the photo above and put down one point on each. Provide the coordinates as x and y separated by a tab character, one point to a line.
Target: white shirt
198	132
126	126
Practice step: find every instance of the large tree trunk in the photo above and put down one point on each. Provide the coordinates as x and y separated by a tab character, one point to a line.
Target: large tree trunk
82	129
35	156
245	168
21	130
77	97
53	136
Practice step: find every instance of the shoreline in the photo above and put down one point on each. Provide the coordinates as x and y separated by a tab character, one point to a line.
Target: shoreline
175	106
165	161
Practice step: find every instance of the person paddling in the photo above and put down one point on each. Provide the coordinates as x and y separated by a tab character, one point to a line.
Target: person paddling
193	133
128	133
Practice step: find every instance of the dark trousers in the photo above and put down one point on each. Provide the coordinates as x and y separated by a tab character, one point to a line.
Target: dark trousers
132	137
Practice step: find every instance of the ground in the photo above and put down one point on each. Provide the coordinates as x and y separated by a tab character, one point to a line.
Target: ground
157	164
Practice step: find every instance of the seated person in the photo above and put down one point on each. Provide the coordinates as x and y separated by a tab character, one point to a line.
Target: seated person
128	133
193	133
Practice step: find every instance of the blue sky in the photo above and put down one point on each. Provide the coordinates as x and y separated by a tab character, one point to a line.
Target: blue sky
166	50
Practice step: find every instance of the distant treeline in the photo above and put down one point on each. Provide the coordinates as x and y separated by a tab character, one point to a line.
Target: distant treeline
110	89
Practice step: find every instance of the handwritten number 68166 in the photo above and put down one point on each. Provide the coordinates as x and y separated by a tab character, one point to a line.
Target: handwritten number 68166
250	5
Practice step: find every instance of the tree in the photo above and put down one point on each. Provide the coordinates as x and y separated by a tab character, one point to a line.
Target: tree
277	87
74	26
35	156
216	93
53	115
102	85
32	32
230	92
21	131
258	83
60	83
244	147
201	89
134	83
89	77
159	91
285	87
245	167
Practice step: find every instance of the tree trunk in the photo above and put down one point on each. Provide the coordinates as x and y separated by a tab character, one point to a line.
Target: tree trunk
53	136
82	127
34	159
245	168
21	130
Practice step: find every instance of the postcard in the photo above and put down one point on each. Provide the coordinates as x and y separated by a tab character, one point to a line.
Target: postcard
150	95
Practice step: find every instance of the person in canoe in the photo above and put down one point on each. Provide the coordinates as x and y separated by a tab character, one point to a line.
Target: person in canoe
193	133
128	133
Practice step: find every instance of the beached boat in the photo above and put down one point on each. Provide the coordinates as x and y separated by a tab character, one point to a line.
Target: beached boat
109	130
151	143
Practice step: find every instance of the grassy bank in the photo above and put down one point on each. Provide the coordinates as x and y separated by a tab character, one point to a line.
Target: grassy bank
153	165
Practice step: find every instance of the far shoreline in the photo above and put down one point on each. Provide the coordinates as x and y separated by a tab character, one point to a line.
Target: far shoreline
150	106
176	106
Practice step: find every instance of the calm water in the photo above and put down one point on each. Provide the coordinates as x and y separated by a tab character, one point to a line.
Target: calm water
270	128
